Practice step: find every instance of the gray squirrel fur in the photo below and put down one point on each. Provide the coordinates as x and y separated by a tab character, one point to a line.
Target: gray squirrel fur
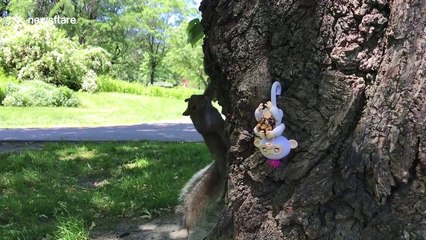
208	183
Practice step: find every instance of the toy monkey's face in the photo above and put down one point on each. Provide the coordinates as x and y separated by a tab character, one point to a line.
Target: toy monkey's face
276	148
195	104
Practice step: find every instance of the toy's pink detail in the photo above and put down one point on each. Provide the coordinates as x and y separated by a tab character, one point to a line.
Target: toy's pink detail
274	163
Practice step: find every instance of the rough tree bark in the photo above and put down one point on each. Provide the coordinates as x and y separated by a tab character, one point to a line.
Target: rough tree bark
353	74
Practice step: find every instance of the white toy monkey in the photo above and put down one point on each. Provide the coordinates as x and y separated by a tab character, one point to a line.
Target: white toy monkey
270	128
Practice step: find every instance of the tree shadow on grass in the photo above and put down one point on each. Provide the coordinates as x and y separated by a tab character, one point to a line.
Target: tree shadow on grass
100	183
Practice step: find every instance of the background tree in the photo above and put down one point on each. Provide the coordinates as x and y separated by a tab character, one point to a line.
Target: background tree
109	24
184	61
42	8
157	20
22	8
135	32
353	75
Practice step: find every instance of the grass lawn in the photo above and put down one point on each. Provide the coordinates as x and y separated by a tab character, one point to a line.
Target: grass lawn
64	190
99	109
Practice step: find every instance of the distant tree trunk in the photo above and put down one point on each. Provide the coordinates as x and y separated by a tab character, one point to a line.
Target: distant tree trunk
202	80
152	73
354	97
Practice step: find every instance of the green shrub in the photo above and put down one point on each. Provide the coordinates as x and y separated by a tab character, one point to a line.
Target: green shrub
5	78
3	82
38	93
43	52
2	92
107	84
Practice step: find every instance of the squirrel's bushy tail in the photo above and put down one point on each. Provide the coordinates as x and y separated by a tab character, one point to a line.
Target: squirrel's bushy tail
205	185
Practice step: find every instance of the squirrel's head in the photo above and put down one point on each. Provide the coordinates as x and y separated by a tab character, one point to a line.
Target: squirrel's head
196	103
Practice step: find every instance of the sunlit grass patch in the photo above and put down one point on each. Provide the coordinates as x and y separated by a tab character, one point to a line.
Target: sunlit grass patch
99	109
61	189
71	228
140	163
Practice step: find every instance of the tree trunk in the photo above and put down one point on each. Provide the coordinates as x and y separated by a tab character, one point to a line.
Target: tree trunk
354	97
152	73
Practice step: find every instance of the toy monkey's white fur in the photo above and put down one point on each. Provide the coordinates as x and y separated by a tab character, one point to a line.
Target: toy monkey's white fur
269	140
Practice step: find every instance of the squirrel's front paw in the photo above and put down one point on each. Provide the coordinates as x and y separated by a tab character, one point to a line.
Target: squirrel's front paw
270	135
261	134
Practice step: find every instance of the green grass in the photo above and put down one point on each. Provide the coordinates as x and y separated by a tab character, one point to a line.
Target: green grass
65	189
71	228
99	109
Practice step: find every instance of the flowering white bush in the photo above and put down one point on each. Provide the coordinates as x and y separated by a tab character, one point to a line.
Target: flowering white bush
42	52
89	82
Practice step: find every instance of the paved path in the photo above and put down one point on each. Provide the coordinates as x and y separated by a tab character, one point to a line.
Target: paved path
165	132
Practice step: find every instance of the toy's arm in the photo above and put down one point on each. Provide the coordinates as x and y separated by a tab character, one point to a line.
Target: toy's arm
258	113
277	114
277	131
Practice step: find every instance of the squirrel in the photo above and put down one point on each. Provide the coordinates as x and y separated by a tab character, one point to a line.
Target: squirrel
269	119
209	182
